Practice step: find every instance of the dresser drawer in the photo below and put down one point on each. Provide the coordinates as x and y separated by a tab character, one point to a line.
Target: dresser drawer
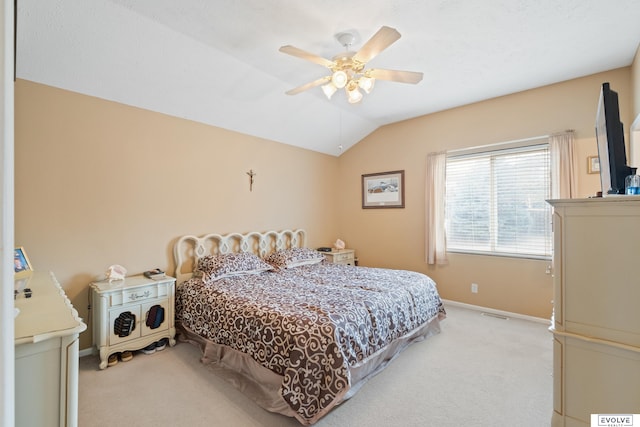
133	295
342	257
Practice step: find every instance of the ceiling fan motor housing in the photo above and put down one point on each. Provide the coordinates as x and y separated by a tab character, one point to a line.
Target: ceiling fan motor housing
345	62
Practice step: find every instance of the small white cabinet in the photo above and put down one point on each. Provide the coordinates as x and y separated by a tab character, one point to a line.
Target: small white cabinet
46	354
132	313
342	256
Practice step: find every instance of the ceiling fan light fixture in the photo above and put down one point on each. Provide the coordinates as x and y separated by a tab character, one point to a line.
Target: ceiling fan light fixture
354	95
366	83
339	79
348	69
329	89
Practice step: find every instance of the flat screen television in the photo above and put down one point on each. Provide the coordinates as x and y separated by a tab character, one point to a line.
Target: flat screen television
611	148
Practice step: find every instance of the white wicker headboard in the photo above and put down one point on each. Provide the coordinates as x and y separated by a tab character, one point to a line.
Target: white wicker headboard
188	249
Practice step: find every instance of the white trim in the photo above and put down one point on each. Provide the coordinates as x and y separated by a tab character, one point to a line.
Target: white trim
518	143
497	312
7	346
87	352
607	343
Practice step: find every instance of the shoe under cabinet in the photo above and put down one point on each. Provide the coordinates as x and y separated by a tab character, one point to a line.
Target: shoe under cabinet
132	314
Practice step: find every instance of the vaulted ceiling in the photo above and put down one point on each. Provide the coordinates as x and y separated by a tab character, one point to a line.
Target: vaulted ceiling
217	61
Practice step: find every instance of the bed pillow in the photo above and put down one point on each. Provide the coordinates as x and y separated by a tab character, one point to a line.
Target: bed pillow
294	257
213	267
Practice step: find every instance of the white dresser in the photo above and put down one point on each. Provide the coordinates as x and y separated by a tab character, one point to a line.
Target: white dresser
122	312
46	352
596	322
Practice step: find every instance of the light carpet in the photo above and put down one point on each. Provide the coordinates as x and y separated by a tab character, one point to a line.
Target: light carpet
479	371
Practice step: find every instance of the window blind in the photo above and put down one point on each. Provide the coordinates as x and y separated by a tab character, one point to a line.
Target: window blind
496	201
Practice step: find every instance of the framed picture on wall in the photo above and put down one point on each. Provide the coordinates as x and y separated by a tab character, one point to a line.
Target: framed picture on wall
593	164
21	263
383	190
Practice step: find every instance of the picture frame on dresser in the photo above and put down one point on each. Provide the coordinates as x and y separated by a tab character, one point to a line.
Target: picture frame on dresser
21	264
383	190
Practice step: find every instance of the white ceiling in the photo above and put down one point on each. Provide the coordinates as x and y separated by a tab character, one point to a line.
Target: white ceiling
217	61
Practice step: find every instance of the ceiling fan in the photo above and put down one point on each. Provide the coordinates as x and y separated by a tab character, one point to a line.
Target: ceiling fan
348	68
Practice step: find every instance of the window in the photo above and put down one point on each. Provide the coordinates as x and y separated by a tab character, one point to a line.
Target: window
496	200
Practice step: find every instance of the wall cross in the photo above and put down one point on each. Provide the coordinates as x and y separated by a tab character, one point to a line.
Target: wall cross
251	174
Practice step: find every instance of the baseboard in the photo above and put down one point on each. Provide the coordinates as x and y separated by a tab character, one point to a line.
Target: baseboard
502	313
87	352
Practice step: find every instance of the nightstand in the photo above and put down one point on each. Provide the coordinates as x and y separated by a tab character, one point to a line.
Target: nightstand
132	313
342	256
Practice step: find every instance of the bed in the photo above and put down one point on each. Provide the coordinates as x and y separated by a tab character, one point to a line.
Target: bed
295	333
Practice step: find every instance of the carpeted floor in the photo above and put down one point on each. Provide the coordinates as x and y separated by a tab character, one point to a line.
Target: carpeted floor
479	371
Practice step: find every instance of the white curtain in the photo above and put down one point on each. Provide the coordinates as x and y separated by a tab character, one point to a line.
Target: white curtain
563	166
436	248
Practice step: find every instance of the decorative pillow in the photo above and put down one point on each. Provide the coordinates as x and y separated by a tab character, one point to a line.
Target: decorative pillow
294	257
213	267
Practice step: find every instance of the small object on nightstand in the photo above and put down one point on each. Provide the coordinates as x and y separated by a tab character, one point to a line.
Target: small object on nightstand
155	274
116	272
324	249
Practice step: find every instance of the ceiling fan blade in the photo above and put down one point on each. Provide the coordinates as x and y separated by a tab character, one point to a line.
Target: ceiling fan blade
381	40
412	77
294	51
309	85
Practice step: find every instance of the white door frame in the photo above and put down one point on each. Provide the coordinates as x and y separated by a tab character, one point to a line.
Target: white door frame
7	360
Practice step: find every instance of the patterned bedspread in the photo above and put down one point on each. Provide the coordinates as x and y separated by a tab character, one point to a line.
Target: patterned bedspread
310	324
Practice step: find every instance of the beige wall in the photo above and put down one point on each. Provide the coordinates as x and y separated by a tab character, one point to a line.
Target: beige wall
394	237
100	183
635	84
